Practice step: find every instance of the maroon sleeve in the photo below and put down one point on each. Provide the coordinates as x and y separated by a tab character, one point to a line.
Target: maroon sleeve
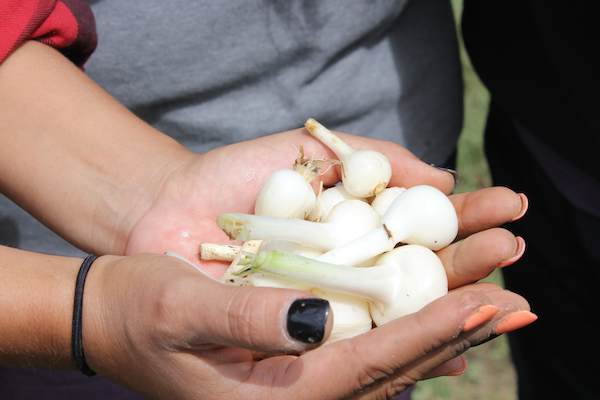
67	25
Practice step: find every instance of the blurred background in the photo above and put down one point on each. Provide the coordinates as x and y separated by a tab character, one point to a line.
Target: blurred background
490	374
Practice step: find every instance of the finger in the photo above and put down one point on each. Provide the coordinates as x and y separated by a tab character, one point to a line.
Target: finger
479	255
508	312
514	310
482	287
170	318
255	318
487	208
394	356
407	169
455	367
187	309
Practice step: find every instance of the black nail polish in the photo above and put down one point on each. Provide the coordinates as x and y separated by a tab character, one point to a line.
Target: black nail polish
450	170
306	320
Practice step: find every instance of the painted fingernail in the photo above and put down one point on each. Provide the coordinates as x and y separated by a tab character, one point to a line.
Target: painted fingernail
481	316
307	319
518	253
515	321
524	207
451	171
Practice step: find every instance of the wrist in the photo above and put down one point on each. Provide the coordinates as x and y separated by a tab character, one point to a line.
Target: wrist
36	308
107	337
76	335
88	167
127	200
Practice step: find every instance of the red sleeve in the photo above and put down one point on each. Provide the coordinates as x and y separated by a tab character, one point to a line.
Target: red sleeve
67	25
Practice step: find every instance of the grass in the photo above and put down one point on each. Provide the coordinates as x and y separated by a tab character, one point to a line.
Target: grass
490	374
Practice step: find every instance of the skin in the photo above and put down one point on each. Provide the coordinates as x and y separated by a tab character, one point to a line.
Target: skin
114	186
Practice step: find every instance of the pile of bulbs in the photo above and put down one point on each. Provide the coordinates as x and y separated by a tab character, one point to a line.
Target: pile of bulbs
365	247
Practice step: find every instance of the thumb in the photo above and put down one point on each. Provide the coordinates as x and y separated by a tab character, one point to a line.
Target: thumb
151	305
261	319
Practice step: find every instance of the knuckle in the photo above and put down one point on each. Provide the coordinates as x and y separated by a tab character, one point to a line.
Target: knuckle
248	316
165	313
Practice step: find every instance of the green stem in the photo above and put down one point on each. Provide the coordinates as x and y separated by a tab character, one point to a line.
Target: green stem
369	283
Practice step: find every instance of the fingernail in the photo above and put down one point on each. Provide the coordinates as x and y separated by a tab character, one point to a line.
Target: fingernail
459	365
518	253
307	319
524	207
451	171
515	321
481	316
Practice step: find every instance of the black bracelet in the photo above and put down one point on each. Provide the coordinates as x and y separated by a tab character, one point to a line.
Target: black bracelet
76	335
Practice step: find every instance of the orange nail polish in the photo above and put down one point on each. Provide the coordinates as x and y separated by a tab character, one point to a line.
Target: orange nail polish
524	207
518	254
515	321
481	316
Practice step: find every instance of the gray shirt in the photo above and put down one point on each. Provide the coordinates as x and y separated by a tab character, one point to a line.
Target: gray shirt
211	73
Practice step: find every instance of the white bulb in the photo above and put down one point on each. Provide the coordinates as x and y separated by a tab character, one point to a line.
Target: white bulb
382	201
331	197
422	215
286	194
421	278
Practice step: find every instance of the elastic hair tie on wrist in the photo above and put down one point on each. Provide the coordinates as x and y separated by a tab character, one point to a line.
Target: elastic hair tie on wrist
76	335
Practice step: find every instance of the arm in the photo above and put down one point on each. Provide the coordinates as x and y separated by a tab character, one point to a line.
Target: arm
67	146
37	308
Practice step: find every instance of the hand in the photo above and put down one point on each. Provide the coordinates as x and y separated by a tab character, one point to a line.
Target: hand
430	352
110	184
228	180
155	324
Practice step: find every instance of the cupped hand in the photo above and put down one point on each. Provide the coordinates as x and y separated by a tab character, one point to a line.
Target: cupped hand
155	324
227	180
192	337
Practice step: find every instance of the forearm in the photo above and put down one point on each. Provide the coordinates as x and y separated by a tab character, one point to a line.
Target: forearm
74	157
36	304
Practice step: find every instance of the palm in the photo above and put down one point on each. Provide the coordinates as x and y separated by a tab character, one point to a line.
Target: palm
228	180
224	180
